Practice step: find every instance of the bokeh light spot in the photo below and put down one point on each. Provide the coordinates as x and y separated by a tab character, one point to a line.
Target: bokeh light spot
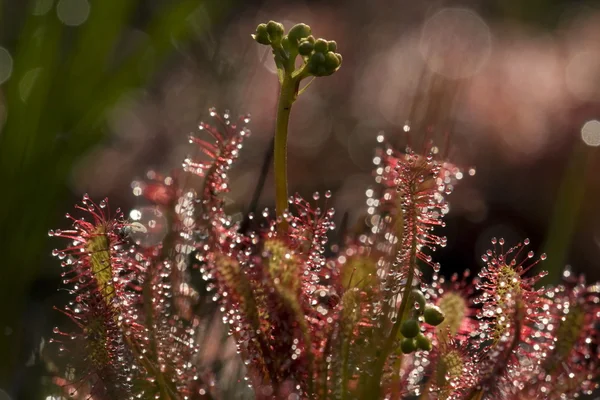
590	133
583	68
42	7
312	124
73	12
149	226
6	65
455	43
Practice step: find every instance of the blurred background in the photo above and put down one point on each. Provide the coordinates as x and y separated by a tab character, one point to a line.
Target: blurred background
94	93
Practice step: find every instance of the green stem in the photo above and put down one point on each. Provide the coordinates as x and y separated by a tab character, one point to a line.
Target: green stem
287	96
566	213
345	367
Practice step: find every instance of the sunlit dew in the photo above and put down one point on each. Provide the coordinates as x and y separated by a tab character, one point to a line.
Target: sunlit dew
73	12
590	133
137	189
135	215
6	65
148	226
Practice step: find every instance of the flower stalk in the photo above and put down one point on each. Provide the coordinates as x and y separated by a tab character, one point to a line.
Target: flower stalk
287	96
310	319
319	59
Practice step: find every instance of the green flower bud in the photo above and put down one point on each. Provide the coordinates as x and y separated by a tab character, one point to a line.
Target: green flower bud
305	48
315	62
433	315
299	31
317	59
455	308
261	35
322	71
332	45
285	43
311	39
408	345
423	342
275	30
321	45
331	61
418	297
410	328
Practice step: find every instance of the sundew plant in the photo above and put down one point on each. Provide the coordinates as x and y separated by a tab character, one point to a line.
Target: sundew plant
368	317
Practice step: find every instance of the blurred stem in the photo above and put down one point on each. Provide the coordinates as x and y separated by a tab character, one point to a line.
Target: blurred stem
264	170
566	212
345	367
287	96
478	395
42	139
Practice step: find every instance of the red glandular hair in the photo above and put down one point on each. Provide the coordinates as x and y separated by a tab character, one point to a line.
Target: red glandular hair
99	270
512	312
134	339
411	206
275	289
571	364
455	298
304	325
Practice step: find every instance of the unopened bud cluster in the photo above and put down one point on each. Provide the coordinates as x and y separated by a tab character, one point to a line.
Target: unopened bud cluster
413	338
310	319
319	55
